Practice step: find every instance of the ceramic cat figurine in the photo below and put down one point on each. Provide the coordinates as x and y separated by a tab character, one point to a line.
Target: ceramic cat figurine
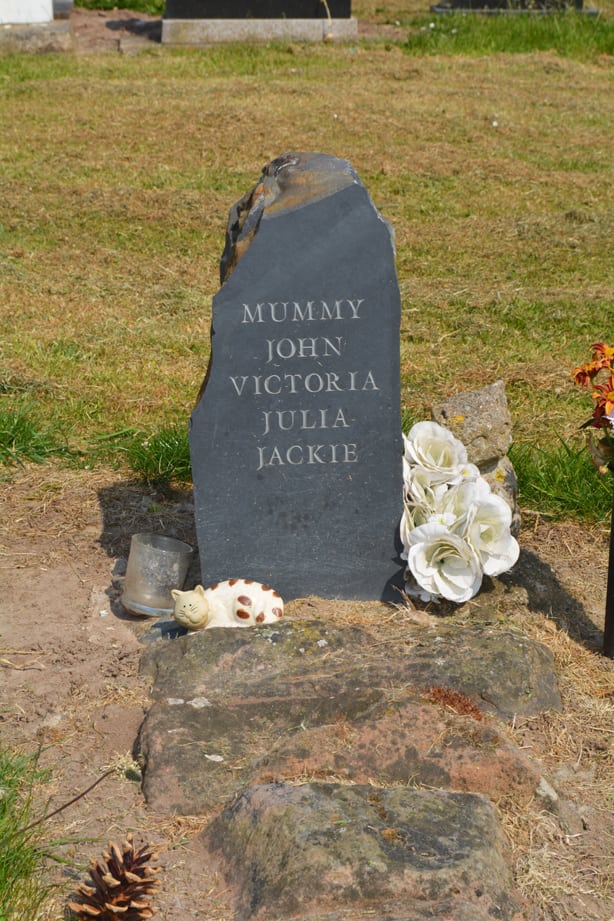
234	603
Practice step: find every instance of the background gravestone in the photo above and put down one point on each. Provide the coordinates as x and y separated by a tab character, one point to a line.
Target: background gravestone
203	22
507	6
255	9
26	11
296	438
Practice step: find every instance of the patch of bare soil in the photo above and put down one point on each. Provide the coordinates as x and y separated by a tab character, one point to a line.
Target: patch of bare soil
69	662
113	30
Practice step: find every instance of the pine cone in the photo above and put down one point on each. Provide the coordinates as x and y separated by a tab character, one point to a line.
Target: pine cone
122	881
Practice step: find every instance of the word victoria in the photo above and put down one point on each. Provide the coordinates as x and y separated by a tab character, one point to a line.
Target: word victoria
326	382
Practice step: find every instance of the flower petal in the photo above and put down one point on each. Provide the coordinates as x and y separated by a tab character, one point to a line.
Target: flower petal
443	563
435	448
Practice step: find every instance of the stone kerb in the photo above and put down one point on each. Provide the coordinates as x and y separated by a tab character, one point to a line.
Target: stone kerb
213	31
55	36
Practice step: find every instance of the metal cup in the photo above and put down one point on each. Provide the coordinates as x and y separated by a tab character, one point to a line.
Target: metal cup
156	565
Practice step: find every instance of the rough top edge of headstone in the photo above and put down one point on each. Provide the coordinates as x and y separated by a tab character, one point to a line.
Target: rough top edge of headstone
289	182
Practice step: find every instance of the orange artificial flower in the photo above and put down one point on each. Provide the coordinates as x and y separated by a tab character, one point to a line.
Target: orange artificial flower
602	350
603	395
584	374
602	360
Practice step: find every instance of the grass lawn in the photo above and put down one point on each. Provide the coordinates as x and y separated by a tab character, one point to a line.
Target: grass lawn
495	168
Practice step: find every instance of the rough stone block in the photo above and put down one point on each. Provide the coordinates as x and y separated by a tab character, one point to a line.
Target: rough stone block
299	851
481	420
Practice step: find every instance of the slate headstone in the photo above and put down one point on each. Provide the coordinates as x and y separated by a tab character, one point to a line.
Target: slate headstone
296	438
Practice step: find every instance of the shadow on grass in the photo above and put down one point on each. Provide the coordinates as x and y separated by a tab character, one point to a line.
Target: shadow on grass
131	506
547	596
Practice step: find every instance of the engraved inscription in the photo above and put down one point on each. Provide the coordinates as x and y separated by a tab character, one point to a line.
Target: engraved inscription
298	454
281	311
327	382
312	347
303	420
318	357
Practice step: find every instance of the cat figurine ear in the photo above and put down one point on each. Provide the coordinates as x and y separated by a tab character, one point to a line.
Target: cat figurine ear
191	608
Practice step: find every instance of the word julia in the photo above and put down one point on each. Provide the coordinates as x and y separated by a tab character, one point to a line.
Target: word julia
303	420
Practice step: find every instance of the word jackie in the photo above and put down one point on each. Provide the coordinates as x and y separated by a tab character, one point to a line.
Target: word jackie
296	455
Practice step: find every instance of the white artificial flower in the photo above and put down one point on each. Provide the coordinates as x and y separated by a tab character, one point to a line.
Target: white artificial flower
488	533
467	473
414	517
411	588
483	519
433	447
442	563
461	500
422	495
406	468
454	529
406	527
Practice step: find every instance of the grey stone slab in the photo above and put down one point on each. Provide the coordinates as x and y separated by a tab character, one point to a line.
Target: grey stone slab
300	851
213	31
504	671
224	700
296	439
481	420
